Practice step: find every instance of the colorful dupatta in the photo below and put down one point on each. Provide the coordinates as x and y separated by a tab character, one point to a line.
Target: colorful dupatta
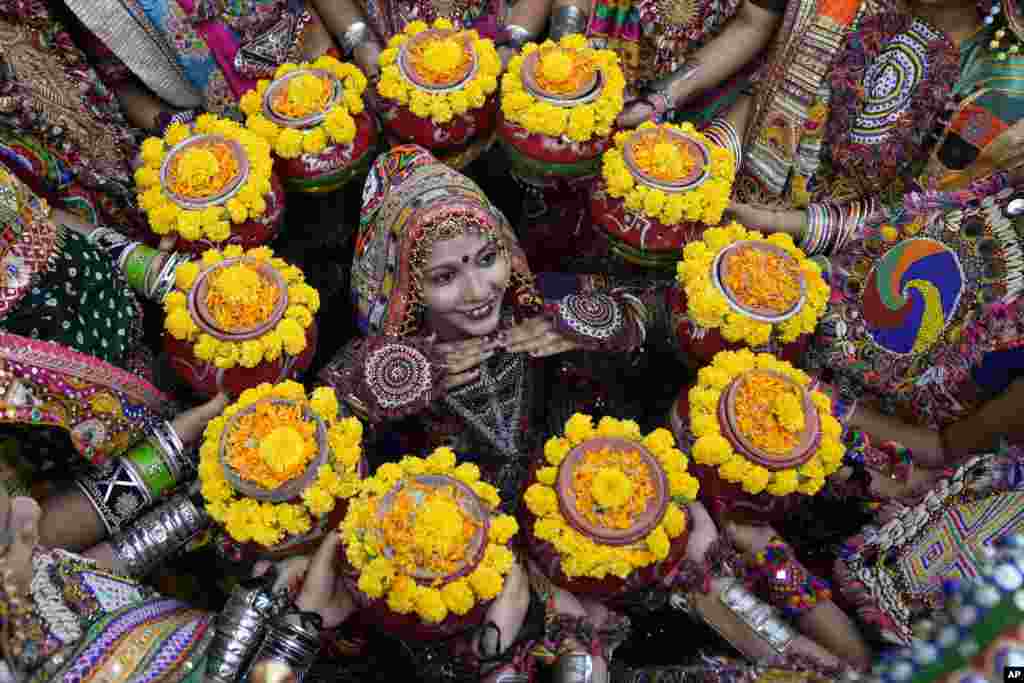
404	193
102	408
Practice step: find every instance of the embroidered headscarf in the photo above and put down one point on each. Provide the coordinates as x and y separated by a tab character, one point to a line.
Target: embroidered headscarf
410	202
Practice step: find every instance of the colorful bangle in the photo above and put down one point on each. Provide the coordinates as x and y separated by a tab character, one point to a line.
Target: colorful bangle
137	264
165	120
151	468
790	587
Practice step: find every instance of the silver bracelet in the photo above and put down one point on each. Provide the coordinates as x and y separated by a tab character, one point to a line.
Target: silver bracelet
573	667
171	449
295	645
353	37
116	491
164	281
518	36
239	630
725	135
159	534
759	616
567	20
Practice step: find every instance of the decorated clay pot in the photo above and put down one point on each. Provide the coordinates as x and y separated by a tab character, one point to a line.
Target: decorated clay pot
642	524
459	141
289	492
634	236
330	169
251	233
702	343
410	627
727	500
205	378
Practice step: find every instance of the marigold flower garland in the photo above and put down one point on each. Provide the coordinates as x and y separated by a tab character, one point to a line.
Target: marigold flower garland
269	446
241	298
440	60
432	536
759	278
560	65
610	496
666	161
202	172
770	416
303	96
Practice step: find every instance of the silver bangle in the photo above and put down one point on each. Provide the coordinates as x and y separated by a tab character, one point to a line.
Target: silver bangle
294	644
574	667
567	20
759	616
239	630
518	36
725	135
171	449
159	534
116	491
353	37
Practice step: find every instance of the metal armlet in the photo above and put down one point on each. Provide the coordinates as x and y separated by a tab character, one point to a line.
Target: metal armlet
567	20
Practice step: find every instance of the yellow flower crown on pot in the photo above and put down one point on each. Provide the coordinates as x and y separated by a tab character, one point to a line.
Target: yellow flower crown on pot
240	297
666	160
779	279
216	181
561	62
770	415
305	95
439	59
614	494
273	443
437	530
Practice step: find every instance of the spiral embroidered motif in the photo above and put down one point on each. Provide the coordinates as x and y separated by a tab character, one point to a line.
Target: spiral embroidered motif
911	295
597	316
398	374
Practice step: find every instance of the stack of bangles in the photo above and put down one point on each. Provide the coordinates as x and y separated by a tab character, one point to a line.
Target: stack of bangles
830	225
147	270
724	134
130	483
165	120
258	632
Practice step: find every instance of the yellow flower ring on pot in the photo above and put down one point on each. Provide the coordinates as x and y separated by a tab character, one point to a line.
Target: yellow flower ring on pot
610	499
438	72
197	181
306	107
424	536
757	421
275	464
750	287
670	173
239	308
564	89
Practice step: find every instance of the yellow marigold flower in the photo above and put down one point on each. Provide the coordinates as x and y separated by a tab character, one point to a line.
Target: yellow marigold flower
704	400
812	469
784	483
416	27
611	488
250	104
289	143
314	141
402	596
324	403
704	424
682	484
251	354
658	543
430	605
179	324
503	527
830	427
441	460
176	133
318	501
547	475
499	558
219	231
272	345
812	486
486	583
293	519
152	151
468	473
487	493
756	479
712	449
579	428
548	529
413	466
659	440
458	597
293	336
674	521
541	500
555	449
206	347
341	126
389	474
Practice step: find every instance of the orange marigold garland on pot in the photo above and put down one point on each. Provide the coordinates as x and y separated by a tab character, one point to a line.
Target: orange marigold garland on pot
277	462
437	83
751	288
313	116
759	423
610	500
239	310
425	539
201	181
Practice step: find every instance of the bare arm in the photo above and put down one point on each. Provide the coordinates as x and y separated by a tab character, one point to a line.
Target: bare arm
142	107
999	418
533	14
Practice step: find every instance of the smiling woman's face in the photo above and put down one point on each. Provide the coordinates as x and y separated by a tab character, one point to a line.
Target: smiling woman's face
463	284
